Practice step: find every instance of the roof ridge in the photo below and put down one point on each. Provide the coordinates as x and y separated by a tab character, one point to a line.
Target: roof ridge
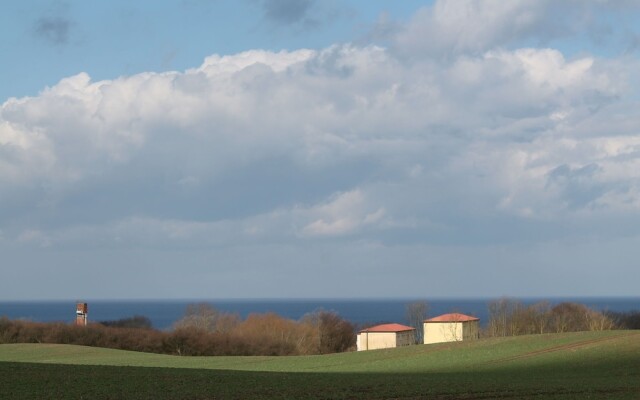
453	317
390	327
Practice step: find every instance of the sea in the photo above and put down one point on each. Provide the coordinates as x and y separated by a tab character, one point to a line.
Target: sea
164	313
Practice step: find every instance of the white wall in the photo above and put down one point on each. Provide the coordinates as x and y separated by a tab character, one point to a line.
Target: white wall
440	332
376	340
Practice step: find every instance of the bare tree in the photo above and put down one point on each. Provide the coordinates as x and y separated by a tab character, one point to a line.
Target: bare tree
334	334
416	313
499	314
508	317
452	328
541	316
569	317
599	321
205	317
624	320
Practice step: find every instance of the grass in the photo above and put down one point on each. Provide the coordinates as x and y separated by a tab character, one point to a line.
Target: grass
564	366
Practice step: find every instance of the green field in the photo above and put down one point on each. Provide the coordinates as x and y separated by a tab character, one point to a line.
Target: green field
563	366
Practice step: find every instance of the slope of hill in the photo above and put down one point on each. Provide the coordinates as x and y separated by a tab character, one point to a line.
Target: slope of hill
574	365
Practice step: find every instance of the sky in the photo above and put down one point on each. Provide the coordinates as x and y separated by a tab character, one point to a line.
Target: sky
191	149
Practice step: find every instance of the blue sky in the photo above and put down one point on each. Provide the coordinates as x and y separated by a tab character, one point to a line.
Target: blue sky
306	148
49	40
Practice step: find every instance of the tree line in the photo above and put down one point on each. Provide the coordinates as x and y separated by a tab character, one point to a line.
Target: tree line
511	317
206	331
203	331
319	332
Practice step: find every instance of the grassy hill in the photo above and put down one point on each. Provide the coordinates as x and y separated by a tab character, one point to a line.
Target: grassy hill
562	366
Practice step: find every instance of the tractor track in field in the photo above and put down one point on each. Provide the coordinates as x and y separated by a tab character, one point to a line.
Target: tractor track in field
568	346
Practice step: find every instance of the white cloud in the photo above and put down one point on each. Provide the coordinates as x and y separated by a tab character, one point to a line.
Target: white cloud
216	66
463	141
451	28
343	142
34	236
346	213
470	26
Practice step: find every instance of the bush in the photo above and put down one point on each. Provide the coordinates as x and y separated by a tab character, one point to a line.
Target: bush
625	320
137	322
259	334
333	334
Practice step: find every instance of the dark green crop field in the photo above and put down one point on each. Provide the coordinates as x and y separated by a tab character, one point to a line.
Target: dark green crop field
590	365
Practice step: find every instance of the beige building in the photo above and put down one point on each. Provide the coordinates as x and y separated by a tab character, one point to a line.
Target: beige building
451	328
385	336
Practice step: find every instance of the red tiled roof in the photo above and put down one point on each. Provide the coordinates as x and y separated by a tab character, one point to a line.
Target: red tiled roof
389	328
453	317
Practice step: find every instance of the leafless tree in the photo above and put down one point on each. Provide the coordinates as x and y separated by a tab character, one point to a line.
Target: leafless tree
415	313
500	312
334	334
203	316
509	317
541	312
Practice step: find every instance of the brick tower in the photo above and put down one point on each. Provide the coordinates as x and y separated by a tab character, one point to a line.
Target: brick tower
81	314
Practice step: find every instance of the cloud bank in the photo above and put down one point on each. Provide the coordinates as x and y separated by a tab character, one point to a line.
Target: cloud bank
459	133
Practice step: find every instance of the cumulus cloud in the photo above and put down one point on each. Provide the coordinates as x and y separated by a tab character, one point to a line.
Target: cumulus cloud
346	142
451	28
455	27
468	147
344	214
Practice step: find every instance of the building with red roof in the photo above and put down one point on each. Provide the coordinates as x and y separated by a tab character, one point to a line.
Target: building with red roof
385	336
454	327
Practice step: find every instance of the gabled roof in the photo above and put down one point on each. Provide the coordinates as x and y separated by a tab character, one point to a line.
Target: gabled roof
453	317
389	328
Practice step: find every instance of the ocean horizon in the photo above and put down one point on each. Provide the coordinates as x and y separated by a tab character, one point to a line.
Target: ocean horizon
163	313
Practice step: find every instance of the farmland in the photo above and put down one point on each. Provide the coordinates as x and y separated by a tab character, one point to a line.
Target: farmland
555	366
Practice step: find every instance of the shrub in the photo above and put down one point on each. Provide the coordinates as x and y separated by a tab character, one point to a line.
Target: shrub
137	321
203	332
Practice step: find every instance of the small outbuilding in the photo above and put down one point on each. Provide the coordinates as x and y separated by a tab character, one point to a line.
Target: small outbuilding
452	327
385	336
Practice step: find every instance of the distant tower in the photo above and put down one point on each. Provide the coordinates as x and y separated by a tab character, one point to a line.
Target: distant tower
81	314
